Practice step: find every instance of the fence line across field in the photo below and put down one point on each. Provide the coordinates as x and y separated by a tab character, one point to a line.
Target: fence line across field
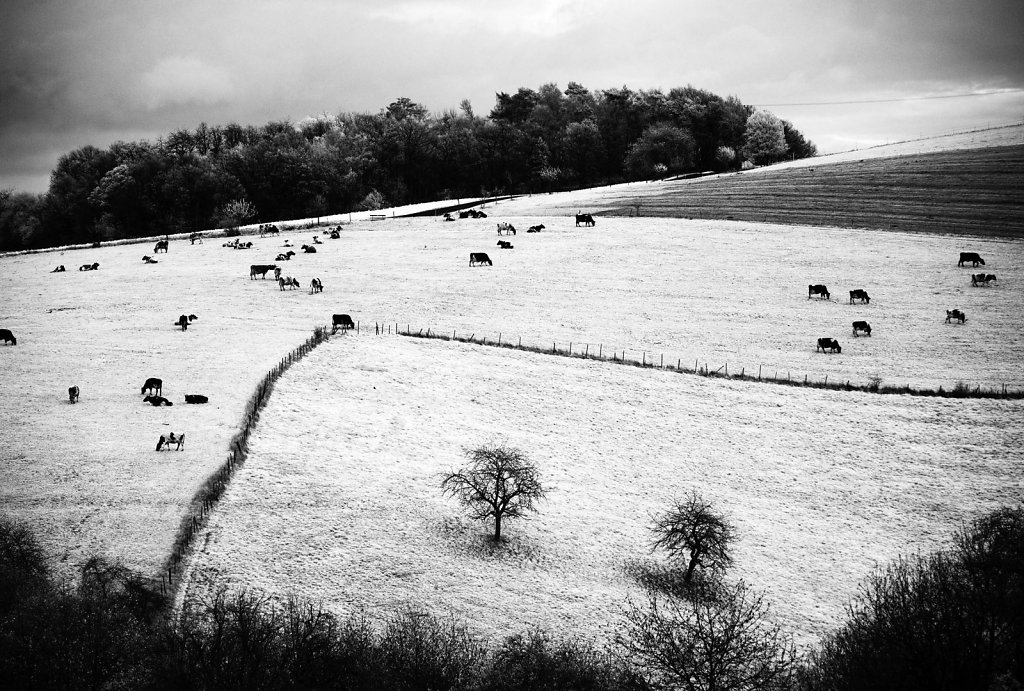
656	360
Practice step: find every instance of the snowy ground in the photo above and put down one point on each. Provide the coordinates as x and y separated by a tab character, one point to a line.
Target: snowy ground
340	498
838	477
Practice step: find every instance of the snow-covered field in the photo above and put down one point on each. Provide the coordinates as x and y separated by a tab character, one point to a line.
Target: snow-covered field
840	465
340	498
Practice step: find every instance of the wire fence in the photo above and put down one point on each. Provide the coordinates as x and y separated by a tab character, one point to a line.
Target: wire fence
213	489
655	360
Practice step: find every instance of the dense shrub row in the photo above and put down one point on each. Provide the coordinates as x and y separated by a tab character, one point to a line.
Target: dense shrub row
951	620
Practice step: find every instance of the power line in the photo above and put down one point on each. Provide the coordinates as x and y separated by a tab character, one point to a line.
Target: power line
890	100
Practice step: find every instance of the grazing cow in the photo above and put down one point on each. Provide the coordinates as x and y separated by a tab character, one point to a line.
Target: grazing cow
829	344
58	270
164	443
315	286
288	282
73	394
89	267
817	290
982	279
260	269
196	398
859	294
972	257
506	228
343	322
955	314
308	249
584	220
156	401
535	229
8	337
153	385
861	326
160	245
479	258
193	238
504	245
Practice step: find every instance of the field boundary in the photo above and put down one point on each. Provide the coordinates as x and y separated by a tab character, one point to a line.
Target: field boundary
206	498
583	351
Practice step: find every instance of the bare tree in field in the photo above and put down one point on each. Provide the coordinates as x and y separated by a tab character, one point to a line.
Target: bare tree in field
694	533
498	482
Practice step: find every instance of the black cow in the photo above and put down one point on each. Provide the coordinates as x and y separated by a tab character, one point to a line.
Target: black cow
982	279
149	260
535	229
156	401
309	249
8	337
817	290
260	269
972	257
584	220
861	326
160	245
859	294
89	267
343	322
955	314
505	245
196	398
58	270
73	394
829	344
479	258
153	385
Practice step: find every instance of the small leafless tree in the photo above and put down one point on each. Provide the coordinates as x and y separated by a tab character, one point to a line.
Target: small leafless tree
726	643
694	533
499	482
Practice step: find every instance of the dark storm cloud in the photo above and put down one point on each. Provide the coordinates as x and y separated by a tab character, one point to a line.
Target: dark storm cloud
97	71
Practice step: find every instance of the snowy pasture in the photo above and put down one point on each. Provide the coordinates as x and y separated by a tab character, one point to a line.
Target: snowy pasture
87	477
340	499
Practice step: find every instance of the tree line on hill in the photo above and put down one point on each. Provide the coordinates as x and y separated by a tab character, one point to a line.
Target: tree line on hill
532	141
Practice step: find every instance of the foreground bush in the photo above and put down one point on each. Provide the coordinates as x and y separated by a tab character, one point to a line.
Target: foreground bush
951	620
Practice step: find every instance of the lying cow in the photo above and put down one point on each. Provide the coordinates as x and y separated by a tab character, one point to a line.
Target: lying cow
343	322
89	267
196	398
535	229
8	337
859	294
828	344
861	326
285	256
156	400
309	249
505	245
59	269
479	258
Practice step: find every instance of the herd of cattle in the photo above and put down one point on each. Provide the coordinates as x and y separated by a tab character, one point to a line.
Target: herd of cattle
831	345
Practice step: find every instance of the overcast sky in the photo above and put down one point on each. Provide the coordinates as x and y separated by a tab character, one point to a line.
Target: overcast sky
78	72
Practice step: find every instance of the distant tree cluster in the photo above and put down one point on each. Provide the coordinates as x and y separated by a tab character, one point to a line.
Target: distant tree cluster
532	141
